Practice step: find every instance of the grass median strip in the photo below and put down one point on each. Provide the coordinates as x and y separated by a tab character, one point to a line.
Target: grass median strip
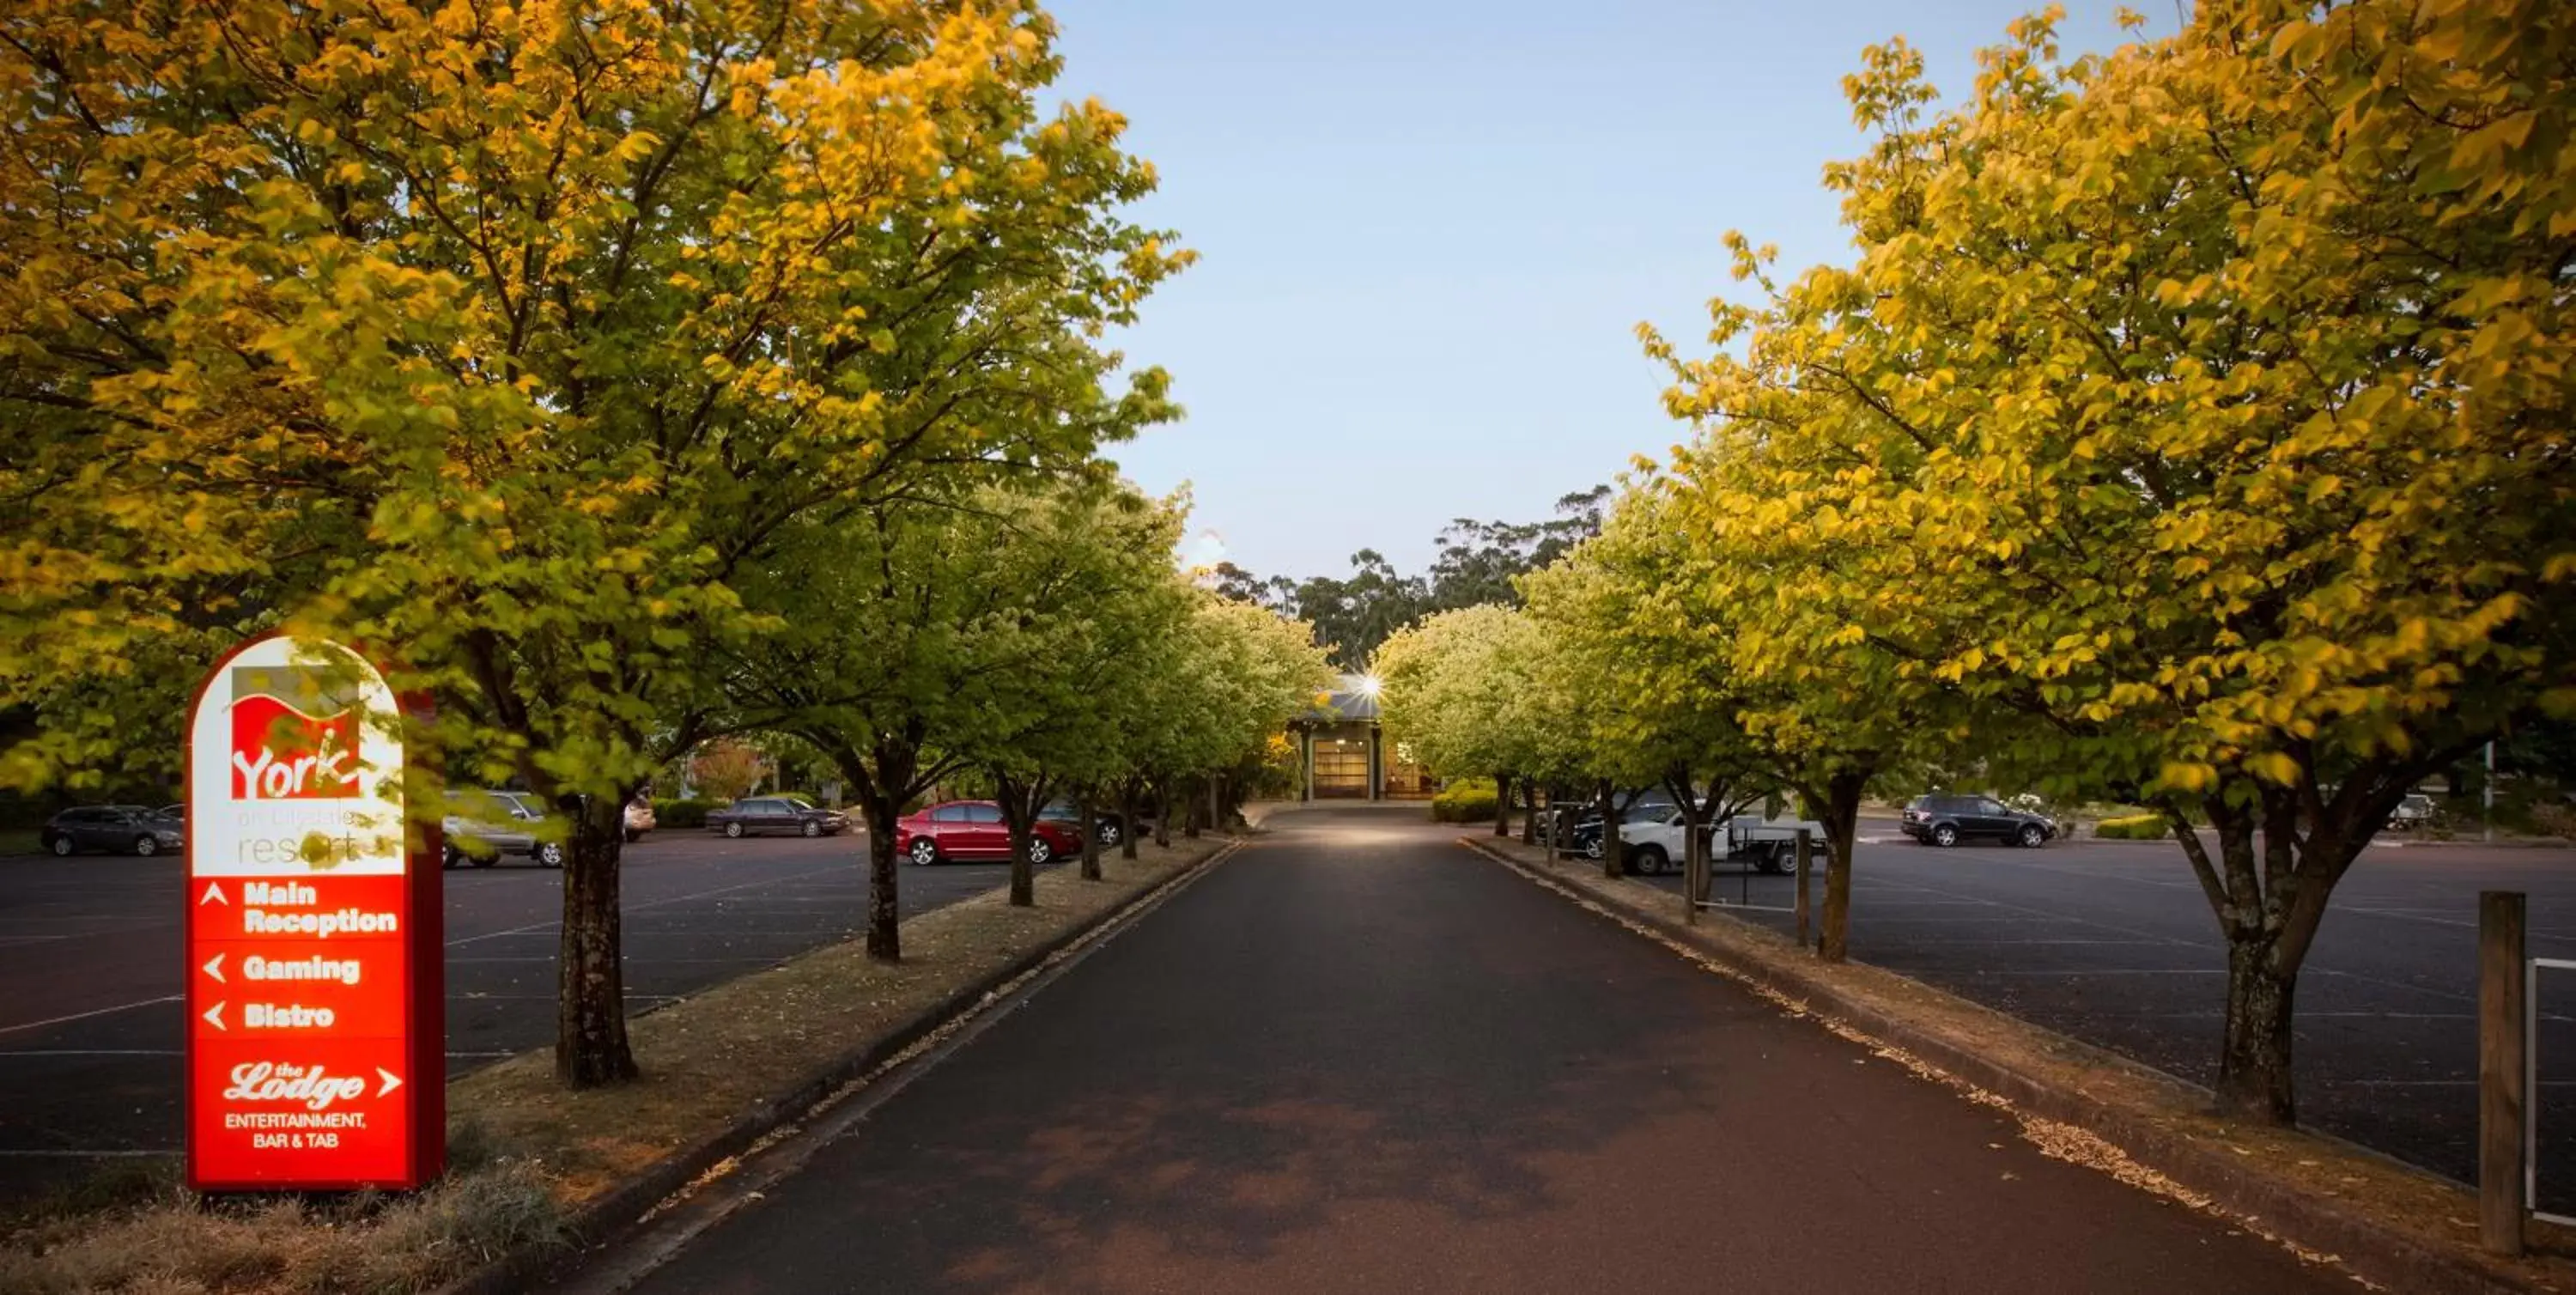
2386	1222
533	1159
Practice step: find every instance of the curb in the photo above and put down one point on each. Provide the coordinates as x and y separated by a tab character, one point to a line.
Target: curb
605	1220
2356	1240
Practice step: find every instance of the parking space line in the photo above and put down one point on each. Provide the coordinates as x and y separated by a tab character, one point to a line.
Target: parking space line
6	1053
1971	942
2093	971
76	1153
83	1016
654	903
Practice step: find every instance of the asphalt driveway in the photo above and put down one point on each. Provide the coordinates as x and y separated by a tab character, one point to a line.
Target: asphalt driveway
1360	1057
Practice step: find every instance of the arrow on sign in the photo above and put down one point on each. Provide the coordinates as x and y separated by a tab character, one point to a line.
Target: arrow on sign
215	968
214	895
392	1081
215	1016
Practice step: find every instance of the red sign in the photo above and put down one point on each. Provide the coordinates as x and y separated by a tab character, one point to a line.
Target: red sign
316	1032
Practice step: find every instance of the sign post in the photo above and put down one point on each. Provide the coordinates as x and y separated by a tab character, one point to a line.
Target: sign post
316	1031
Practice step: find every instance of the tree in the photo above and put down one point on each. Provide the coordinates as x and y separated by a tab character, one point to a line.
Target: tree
1660	700
1477	563
516	338
726	768
2184	416
1455	690
1088	576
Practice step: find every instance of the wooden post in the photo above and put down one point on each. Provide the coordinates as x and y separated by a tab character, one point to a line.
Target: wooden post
2504	1072
1806	856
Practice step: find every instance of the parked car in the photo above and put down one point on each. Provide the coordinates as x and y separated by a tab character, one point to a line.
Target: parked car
777	815
639	819
119	829
1105	827
2413	811
1947	818
481	827
975	829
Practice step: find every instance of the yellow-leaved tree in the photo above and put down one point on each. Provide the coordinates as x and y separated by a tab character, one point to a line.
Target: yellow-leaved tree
506	337
2196	417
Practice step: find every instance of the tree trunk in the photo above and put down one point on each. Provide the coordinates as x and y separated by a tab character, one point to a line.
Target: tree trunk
1841	818
1612	864
2268	887
591	1049
1089	809
1529	812
879	786
2254	1081
885	917
1695	860
1192	800
1127	790
1502	805
1163	813
1020	802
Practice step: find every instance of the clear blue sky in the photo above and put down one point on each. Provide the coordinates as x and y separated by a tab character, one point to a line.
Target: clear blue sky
1429	227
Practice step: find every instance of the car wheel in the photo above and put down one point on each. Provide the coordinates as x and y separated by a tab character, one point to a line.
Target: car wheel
145	847
1778	859
61	846
448	857
549	855
813	829
2033	836
1650	860
633	836
1109	834
1945	835
1039	850
484	860
733	830
1592	848
925	852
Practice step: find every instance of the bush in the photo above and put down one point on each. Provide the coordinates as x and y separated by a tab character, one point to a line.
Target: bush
682	813
2136	827
1468	800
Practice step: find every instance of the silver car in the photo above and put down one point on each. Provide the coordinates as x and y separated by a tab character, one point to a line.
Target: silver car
481	826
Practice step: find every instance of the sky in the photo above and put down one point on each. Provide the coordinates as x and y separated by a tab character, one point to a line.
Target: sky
1428	230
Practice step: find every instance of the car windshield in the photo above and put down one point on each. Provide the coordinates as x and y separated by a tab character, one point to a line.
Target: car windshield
791	802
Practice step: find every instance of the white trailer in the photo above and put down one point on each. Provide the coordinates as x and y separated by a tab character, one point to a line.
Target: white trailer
1771	844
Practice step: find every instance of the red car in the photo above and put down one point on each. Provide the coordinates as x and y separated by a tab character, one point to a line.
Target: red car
975	829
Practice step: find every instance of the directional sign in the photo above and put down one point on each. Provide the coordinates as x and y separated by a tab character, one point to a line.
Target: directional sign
316	1056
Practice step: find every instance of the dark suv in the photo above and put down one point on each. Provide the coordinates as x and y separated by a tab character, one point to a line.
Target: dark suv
1947	818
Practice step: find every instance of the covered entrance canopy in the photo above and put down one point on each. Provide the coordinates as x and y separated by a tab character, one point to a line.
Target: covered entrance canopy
1342	753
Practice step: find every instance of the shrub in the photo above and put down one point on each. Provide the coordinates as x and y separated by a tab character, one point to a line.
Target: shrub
2136	827
2554	819
1468	800
681	813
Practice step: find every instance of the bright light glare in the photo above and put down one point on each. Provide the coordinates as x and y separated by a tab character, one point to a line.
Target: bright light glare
1371	685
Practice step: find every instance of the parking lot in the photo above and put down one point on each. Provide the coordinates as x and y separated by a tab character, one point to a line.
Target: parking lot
91	969
2113	943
